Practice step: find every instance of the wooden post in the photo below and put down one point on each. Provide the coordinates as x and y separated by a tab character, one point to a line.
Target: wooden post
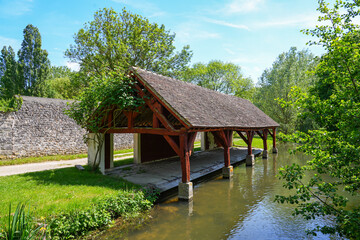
227	156
250	159
109	150
250	135
274	141
265	152
185	186
228	138
184	157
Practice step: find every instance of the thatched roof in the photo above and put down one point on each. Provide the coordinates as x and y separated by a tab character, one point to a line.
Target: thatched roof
204	108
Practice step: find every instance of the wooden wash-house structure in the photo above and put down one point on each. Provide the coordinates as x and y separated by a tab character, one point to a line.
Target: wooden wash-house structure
173	113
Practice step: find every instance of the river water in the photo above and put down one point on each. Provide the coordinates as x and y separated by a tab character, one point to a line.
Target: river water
240	208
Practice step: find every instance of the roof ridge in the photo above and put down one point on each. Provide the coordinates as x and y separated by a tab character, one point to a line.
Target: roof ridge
189	83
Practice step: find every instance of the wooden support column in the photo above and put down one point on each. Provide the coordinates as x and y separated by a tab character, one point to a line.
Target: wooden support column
265	152
250	159
250	136
224	137
274	141
185	186
185	158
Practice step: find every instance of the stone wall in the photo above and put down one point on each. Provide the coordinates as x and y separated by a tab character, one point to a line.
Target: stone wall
41	128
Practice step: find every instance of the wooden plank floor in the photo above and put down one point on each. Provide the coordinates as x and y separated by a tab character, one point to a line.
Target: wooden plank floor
166	174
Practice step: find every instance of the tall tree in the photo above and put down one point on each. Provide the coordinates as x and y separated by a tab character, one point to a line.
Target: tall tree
219	76
58	84
289	69
33	62
115	41
9	86
334	102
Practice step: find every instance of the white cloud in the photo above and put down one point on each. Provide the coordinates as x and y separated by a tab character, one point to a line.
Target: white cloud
304	20
14	43
227	24
243	6
73	66
15	7
189	31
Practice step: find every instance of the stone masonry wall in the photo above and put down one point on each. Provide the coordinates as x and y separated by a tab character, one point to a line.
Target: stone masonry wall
41	128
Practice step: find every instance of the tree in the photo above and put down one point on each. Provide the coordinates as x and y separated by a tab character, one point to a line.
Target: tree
219	76
59	85
289	69
33	63
334	103
9	85
114	41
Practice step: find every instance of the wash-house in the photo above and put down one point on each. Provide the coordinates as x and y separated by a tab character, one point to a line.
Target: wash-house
168	123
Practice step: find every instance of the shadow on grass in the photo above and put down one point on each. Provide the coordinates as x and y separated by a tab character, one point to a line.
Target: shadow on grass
72	176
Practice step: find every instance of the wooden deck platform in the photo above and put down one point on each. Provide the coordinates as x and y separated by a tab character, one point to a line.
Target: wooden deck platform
165	175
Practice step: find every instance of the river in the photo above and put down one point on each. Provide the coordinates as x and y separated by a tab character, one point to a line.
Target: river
240	208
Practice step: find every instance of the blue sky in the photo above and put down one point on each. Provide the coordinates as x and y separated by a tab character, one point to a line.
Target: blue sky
249	33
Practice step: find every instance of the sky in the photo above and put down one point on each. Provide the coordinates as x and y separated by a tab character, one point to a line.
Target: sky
249	33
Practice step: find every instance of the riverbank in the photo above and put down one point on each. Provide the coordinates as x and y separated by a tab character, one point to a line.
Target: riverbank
63	193
67	196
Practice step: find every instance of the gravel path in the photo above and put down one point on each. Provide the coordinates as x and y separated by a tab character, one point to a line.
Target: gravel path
37	167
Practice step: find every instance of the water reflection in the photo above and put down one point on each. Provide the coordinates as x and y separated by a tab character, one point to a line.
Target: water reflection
240	208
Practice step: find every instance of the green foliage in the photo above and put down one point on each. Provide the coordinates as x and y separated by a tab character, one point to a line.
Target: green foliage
33	64
219	76
334	104
11	104
290	69
9	85
78	223
116	41
21	226
59	83
103	93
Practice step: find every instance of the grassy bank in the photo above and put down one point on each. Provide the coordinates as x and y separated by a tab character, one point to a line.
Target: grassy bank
73	201
54	191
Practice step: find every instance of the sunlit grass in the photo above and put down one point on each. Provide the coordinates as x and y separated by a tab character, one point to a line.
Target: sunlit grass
60	190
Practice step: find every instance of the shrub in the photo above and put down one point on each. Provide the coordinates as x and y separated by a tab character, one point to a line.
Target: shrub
100	214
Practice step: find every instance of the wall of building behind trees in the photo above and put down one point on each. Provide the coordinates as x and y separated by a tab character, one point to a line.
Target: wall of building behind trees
41	128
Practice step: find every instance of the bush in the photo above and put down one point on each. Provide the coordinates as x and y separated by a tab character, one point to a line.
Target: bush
100	214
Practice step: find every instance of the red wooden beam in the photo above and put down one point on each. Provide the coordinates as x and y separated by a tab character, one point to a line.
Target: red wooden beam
265	132
205	129
158	114
185	159
156	123
270	134
173	145
250	135
261	135
220	137
184	122
191	140
243	137
159	131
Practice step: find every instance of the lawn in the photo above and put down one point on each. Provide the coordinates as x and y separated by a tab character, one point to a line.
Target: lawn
56	191
256	143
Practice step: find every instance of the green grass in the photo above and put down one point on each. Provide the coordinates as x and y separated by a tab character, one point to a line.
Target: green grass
25	160
256	143
55	191
126	161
